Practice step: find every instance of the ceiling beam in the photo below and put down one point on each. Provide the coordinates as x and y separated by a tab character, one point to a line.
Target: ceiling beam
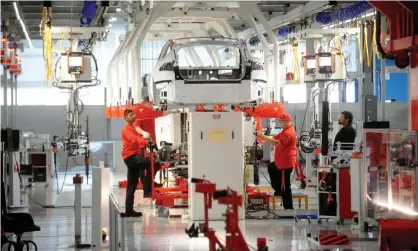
179	27
190	14
298	12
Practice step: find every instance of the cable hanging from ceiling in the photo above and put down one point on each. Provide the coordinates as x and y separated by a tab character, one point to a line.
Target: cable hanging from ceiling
48	53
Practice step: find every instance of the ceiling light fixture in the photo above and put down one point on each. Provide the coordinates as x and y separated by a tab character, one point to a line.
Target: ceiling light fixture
113	19
23	25
118	9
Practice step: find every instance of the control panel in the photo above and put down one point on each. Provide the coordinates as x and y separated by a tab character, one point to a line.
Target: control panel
310	65
75	62
325	63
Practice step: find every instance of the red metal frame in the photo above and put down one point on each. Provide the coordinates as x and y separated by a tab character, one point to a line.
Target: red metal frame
166	196
395	235
401	234
402	33
234	239
404	38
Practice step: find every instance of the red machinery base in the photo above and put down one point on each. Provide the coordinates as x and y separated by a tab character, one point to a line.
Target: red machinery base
396	235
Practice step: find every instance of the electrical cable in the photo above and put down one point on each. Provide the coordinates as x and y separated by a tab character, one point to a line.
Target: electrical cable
296	66
65	173
47	50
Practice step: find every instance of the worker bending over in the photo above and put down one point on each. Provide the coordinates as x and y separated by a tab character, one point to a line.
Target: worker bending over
284	159
134	156
347	133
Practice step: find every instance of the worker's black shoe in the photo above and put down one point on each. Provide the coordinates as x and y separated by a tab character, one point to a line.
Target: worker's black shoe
133	214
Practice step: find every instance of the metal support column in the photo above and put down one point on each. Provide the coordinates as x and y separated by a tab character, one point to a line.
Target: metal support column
11	115
310	50
321	96
267	69
366	85
15	104
137	85
383	86
5	80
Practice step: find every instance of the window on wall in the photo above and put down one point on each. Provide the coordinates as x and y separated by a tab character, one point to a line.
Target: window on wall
295	93
333	92
150	50
55	97
41	96
92	95
350	92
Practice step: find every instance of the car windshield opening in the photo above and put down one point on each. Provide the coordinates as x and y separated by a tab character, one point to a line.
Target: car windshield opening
212	62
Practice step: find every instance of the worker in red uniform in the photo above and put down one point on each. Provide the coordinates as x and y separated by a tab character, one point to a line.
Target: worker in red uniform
134	156
146	127
284	159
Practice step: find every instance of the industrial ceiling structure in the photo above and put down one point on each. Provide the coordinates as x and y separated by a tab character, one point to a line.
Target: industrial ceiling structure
86	13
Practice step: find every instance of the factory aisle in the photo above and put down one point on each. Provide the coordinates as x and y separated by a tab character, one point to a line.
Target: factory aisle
153	233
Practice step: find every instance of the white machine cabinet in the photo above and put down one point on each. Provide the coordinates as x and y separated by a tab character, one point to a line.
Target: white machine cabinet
216	151
168	129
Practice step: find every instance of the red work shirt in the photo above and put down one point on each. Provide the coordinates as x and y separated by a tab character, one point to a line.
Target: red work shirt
285	154
148	125
132	142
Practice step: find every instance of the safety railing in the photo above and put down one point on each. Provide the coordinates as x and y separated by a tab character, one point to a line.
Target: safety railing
117	226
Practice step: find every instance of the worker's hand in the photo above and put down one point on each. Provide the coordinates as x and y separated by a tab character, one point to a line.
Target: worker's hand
146	135
260	134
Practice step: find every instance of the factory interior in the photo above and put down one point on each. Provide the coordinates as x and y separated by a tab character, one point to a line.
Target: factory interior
126	125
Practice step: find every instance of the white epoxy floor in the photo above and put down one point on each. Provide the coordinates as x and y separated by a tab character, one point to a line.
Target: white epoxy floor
153	233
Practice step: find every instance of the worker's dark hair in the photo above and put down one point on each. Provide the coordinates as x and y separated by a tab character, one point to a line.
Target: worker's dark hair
146	99
127	112
348	115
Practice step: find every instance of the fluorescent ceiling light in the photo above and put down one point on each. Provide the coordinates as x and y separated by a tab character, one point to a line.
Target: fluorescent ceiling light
23	25
118	9
113	19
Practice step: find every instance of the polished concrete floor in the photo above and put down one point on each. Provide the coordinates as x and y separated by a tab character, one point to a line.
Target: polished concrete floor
153	233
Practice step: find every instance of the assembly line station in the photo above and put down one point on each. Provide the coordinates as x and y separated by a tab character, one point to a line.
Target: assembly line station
269	125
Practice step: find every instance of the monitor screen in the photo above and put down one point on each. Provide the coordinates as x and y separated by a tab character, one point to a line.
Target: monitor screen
75	61
324	61
311	63
275	131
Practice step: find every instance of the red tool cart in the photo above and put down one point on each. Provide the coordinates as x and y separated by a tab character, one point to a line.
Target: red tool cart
334	194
